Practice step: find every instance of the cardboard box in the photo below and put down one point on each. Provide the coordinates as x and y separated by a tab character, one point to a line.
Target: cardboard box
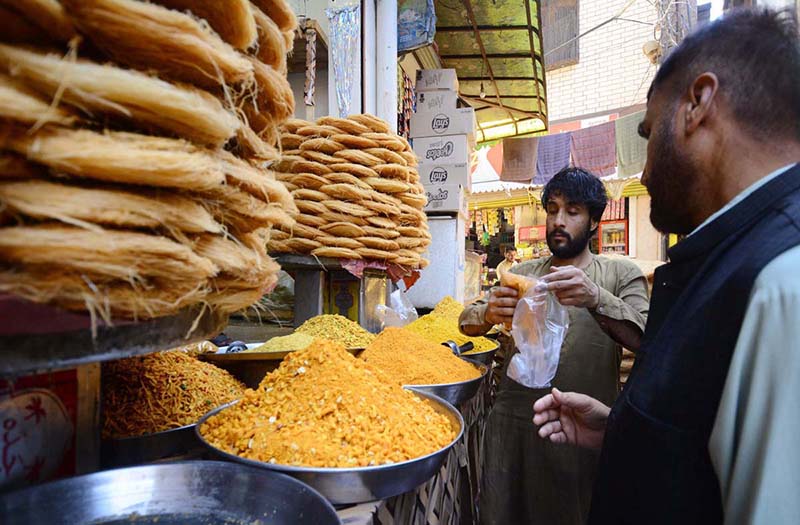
452	149
445	198
459	121
432	102
436	79
435	175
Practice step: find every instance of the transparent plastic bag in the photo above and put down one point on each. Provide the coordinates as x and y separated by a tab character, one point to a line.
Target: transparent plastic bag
539	327
399	312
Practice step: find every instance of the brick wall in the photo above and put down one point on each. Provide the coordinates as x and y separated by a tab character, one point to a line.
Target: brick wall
612	71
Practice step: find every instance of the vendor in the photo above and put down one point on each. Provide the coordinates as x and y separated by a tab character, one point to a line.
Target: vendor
527	479
509	262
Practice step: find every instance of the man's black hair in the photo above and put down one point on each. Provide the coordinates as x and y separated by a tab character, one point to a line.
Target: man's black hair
755	54
510	249
578	186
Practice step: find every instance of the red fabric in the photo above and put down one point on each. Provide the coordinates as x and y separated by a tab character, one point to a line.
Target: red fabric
495	157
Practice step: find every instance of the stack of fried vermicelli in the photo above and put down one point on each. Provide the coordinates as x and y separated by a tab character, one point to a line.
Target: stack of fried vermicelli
357	189
134	140
158	392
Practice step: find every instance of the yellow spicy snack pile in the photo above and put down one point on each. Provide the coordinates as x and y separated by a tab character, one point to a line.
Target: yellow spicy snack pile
337	328
411	359
439	329
324	408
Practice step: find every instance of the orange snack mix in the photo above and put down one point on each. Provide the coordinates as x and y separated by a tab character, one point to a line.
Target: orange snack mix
324	408
412	359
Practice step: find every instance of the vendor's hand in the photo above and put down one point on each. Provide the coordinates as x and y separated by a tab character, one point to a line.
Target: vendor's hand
569	417
572	287
502	302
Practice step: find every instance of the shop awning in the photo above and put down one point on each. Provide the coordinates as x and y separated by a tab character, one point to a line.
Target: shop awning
497	44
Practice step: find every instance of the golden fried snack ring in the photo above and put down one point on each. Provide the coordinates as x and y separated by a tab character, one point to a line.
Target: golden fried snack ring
344	229
340	242
338	253
379	243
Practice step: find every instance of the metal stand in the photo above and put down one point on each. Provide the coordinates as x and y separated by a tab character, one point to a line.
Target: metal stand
319	288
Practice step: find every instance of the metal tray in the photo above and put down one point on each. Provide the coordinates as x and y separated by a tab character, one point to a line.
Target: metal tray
186	493
49	338
135	450
360	484
456	393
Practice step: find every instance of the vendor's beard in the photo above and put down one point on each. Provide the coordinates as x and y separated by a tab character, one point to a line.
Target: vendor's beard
573	246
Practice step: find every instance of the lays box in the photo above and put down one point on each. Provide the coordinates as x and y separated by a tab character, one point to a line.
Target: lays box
436	79
433	175
437	115
451	149
447	198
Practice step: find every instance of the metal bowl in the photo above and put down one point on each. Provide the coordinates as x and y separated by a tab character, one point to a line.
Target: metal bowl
360	484
485	358
456	393
186	493
147	448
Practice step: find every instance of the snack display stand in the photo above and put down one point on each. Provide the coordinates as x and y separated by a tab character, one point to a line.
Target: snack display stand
313	274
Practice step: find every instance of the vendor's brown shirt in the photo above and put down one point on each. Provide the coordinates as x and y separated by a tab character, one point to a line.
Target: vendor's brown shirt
530	480
590	359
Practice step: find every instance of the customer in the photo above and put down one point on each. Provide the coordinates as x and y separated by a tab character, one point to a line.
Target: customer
706	430
527	480
509	262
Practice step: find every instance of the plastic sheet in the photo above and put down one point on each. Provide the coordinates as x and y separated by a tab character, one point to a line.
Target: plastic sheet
345	28
399	312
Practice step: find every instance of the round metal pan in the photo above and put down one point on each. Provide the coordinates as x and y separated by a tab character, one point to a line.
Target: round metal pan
136	450
485	357
186	493
360	484
456	393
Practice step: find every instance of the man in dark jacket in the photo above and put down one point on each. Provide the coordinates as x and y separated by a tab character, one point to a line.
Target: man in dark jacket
706	428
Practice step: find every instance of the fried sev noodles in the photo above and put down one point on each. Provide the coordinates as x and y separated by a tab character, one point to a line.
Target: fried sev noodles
162	391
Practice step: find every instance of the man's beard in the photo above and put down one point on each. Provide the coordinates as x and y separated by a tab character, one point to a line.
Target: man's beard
573	247
672	183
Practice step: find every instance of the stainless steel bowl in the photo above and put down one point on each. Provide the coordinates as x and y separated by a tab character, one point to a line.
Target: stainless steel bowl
186	493
486	357
359	484
456	393
136	450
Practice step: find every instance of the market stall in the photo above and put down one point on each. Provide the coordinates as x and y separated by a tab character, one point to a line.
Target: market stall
153	182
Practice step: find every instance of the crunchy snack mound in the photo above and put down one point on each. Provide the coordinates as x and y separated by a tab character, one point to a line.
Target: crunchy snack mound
162	391
411	359
337	328
448	307
439	329
324	408
285	343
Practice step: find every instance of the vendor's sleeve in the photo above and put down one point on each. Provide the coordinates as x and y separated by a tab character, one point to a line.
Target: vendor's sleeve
474	316
631	302
754	444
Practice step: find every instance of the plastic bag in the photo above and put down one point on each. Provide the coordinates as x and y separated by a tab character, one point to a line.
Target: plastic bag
400	311
539	327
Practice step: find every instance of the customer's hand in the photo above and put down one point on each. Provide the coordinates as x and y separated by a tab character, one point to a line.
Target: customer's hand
572	287
502	302
569	417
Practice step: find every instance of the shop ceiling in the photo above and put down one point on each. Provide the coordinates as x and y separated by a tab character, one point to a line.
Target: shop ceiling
496	44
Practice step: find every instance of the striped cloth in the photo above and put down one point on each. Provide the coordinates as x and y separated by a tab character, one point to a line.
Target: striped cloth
594	149
553	156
